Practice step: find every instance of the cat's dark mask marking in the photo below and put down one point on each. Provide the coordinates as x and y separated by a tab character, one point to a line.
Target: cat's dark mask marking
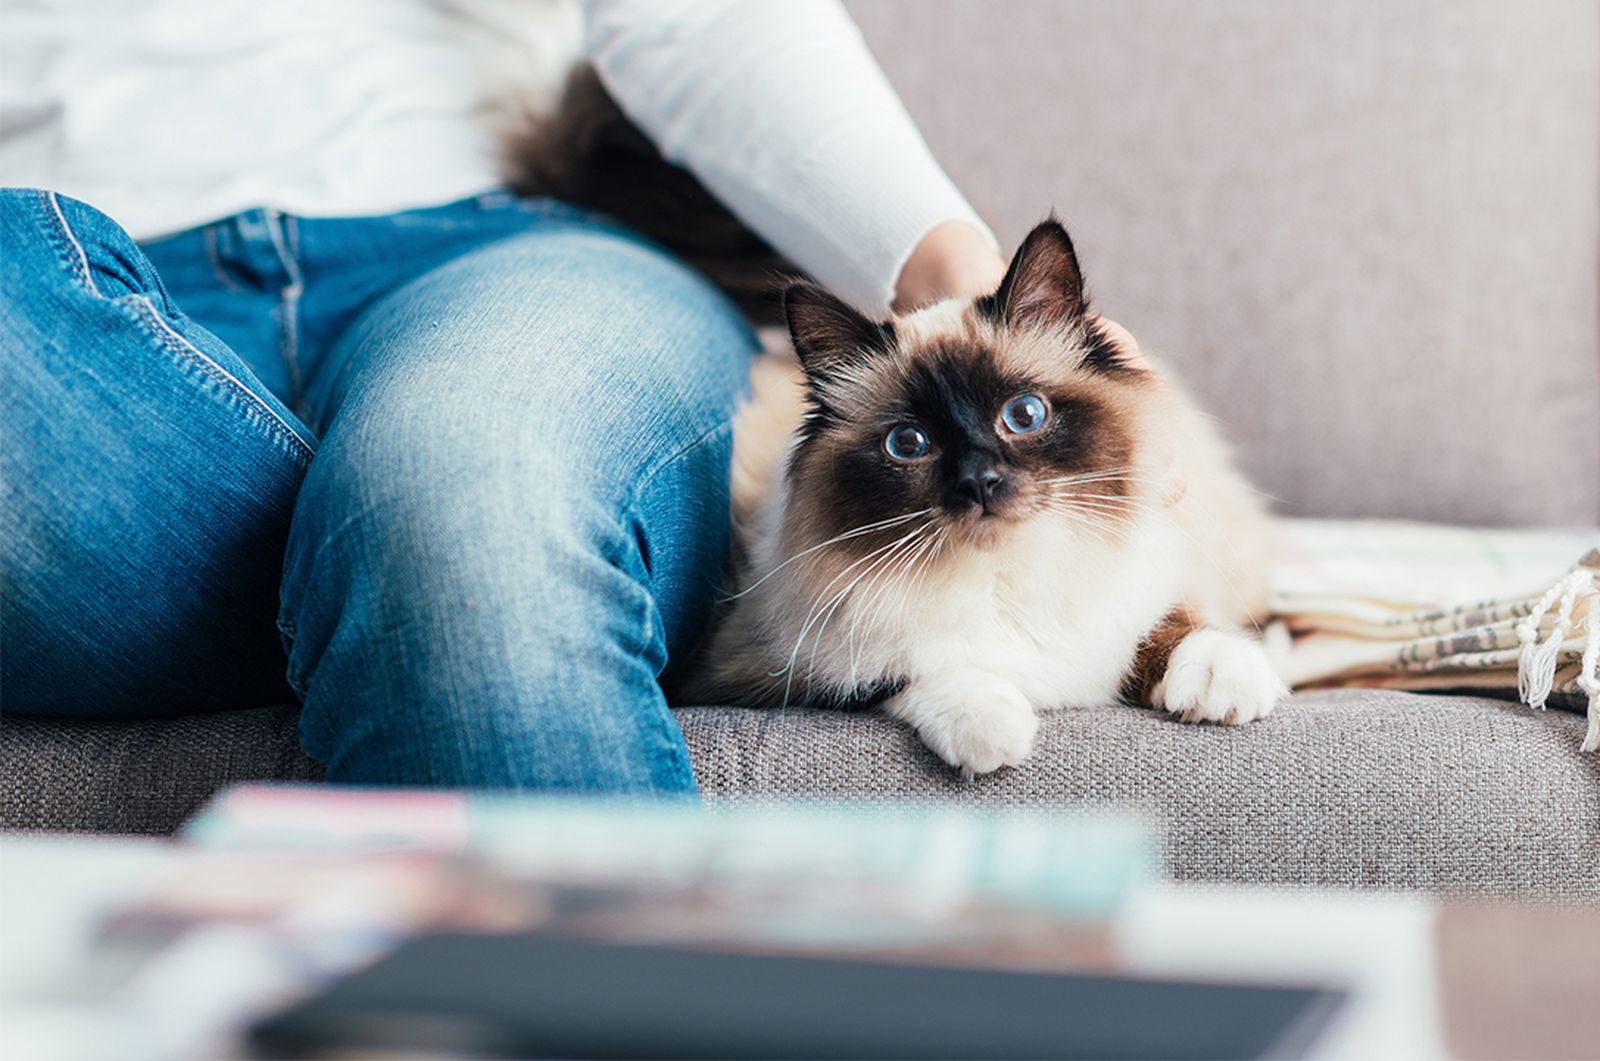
950	375
954	395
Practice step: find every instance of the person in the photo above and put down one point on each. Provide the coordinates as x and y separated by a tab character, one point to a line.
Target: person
296	393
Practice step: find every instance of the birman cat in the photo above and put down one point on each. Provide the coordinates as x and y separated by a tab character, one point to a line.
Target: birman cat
983	510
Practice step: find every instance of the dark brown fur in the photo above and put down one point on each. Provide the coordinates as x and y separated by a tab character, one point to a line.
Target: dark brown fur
1155	651
589	154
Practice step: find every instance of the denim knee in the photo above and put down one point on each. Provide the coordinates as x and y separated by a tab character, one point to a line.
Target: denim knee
439	519
526	452
458	627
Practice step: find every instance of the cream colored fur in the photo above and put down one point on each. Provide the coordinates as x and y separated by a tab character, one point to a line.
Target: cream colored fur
1049	616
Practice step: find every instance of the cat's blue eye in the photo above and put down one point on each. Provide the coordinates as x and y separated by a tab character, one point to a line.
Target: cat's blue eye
906	442
1024	414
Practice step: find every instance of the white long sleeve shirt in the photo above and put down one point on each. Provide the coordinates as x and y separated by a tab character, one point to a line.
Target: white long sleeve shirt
171	113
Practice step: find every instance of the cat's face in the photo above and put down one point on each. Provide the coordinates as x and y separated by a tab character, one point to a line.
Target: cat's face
968	417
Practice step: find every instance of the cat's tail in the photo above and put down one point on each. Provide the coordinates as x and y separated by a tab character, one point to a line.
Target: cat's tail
589	154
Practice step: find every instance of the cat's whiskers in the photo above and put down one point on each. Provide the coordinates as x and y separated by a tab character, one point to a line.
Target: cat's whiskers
838	601
818	607
1062	491
1093	516
883	577
1121	506
1103	522
904	546
1073	494
925	557
940	537
1099	526
1128	501
1099	475
1068	491
1109	504
854	532
839	576
904	574
1089	476
822	594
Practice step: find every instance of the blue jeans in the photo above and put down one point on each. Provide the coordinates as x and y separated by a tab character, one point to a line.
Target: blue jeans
457	475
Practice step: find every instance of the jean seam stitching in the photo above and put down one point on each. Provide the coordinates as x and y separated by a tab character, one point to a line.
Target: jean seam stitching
145	310
628	516
673	458
218	270
77	262
279	431
670	723
669	729
296	681
289	332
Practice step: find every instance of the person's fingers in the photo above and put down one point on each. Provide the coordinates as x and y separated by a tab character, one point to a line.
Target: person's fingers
1177	482
1127	345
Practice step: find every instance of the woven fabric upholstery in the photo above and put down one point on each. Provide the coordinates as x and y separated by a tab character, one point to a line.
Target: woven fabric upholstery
1347	788
1453	794
139	777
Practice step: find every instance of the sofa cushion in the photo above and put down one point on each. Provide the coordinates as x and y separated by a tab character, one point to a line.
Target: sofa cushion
139	777
1352	788
1337	788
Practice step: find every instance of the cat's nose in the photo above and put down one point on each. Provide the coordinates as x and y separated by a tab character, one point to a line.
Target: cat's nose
981	485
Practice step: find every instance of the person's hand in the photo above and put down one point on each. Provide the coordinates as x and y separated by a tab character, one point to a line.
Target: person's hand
1126	344
954	260
1176	482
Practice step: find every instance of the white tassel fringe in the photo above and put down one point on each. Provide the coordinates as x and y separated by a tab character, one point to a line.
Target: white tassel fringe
1537	661
1589	671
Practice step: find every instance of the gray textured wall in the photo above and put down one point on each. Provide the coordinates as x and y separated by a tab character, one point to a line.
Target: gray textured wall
1367	234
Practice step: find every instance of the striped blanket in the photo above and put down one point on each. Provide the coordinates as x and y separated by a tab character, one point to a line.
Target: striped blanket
1418	606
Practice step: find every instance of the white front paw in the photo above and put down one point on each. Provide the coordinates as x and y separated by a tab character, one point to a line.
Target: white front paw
1214	676
972	720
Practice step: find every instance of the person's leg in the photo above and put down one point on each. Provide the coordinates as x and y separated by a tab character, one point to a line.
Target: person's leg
147	484
518	514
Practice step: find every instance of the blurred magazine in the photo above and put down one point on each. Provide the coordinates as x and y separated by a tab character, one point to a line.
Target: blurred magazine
335	874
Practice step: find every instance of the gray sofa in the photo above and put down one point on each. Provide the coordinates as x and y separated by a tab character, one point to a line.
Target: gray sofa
1369	237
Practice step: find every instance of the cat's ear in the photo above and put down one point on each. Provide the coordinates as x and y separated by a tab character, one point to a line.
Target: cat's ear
1044	285
828	334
